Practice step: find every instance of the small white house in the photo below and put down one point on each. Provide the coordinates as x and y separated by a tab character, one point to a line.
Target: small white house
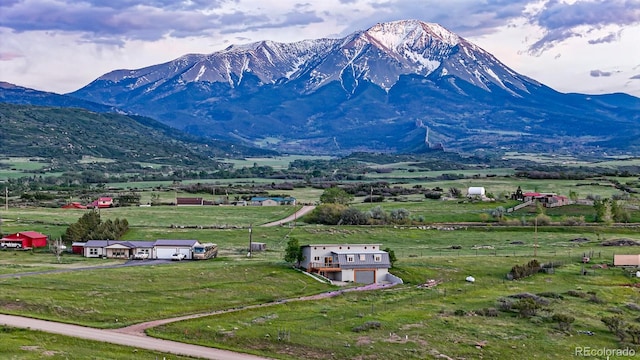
476	191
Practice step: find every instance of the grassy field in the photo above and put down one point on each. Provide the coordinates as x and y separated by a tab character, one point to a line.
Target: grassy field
26	344
416	323
413	322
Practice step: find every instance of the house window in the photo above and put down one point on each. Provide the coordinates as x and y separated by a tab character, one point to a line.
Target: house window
350	258
93	251
363	257
377	258
317	258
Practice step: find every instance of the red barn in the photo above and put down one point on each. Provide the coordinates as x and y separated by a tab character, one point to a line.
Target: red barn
25	239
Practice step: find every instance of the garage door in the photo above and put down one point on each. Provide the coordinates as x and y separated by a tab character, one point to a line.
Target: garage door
165	253
365	276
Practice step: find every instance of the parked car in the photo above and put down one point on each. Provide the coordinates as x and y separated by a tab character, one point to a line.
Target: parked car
178	256
141	255
11	244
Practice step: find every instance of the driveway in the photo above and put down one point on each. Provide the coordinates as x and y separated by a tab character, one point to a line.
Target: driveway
298	214
110	336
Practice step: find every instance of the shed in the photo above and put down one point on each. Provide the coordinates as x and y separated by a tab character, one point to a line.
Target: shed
192	201
475	191
26	239
626	260
78	247
258	246
163	249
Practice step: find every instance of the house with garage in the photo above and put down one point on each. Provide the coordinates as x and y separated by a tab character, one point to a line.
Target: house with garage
272	201
361	263
159	249
112	249
24	240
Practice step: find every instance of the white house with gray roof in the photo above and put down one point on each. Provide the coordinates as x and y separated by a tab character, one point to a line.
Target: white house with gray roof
360	263
159	249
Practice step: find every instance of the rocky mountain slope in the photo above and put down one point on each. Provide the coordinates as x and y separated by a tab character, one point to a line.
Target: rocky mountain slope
382	89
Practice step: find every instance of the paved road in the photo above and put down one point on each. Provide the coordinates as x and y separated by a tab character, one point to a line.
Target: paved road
304	210
110	336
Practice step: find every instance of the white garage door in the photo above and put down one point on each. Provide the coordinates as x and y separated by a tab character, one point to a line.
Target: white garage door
365	276
166	252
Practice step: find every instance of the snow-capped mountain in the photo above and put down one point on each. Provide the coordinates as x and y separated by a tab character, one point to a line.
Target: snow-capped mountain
379	55
376	89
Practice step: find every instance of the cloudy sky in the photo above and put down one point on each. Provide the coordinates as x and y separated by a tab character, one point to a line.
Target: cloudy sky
588	46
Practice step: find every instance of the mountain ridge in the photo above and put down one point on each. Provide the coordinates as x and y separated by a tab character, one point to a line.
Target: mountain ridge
379	89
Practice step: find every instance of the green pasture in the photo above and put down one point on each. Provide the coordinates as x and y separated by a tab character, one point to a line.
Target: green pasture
277	162
26	344
154	216
110	298
414	322
418	323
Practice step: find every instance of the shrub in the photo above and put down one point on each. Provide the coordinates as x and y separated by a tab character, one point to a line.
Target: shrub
488	312
522	271
526	307
564	321
573	221
575	293
616	325
433	195
367	326
542	219
551	295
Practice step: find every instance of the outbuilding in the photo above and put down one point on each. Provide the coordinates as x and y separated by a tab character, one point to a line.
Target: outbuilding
476	191
24	240
626	260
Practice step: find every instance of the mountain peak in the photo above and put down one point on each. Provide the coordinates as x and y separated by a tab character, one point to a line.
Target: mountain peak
402	32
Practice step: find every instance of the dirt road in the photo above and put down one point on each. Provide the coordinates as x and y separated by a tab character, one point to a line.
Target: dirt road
304	210
110	336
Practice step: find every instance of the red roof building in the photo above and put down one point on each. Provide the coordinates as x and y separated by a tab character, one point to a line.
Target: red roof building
102	202
26	239
74	205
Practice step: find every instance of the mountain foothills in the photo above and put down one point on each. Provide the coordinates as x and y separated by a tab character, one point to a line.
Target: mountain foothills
404	86
68	135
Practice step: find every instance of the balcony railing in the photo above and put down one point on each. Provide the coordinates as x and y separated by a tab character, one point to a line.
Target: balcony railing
319	265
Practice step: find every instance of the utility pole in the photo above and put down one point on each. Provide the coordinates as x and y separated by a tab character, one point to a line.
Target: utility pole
535	246
250	240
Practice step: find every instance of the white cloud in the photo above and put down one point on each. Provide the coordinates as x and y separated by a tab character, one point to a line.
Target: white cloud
61	45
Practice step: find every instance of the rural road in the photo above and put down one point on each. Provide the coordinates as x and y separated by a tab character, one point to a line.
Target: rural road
110	336
304	210
136	337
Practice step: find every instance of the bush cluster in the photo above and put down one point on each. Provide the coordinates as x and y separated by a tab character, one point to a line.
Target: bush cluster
367	326
522	271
